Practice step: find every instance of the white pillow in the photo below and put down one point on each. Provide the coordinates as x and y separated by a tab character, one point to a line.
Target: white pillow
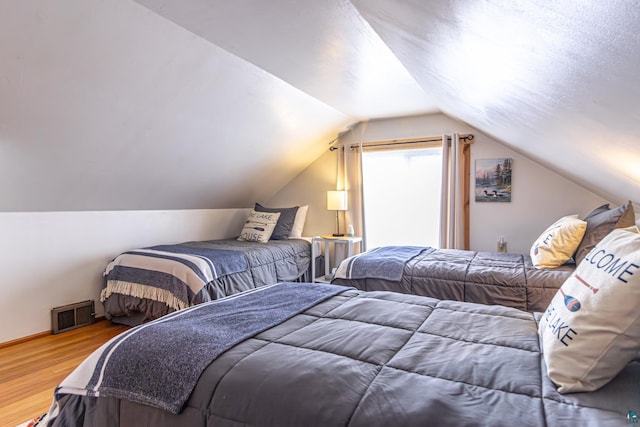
259	226
298	223
591	329
556	244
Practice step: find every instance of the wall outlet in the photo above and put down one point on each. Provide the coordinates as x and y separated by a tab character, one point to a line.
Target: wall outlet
501	246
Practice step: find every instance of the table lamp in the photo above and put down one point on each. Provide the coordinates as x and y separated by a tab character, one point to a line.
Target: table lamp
337	201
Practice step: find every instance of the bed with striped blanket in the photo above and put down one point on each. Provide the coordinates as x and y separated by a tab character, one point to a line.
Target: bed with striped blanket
148	283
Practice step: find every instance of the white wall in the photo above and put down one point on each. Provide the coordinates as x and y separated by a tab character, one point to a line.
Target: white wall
149	115
48	259
539	196
310	188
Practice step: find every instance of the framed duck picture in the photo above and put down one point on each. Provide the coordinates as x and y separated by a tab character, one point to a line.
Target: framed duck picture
493	180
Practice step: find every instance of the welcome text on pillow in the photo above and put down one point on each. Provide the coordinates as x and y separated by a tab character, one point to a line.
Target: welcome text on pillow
601	259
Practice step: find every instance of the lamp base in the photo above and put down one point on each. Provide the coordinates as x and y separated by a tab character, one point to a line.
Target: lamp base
338	234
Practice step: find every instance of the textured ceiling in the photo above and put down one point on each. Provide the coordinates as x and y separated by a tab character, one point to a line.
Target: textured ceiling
160	104
557	81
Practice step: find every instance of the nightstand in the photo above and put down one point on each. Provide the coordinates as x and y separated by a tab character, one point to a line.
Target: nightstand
322	245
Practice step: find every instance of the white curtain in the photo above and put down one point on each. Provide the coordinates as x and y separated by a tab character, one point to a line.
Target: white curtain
451	204
350	179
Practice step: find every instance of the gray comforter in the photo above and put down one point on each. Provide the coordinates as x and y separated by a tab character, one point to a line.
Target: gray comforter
264	264
379	359
481	277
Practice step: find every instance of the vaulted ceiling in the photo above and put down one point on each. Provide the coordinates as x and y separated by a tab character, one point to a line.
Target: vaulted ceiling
165	104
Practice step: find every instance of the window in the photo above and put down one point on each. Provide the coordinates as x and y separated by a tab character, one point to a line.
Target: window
401	193
395	190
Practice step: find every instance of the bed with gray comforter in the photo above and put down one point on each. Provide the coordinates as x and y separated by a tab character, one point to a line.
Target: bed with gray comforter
481	277
324	355
145	284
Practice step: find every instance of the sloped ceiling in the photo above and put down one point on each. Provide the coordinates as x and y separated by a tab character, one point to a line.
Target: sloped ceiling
160	104
557	81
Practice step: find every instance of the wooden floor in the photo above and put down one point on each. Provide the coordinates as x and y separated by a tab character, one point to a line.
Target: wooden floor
30	371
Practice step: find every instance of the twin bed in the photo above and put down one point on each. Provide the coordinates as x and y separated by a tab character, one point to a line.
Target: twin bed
145	284
524	281
290	354
480	277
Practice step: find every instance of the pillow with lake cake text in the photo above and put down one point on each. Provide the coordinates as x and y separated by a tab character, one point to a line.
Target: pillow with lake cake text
259	226
556	244
591	329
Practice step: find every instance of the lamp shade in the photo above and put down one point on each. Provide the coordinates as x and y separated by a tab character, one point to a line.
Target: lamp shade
336	200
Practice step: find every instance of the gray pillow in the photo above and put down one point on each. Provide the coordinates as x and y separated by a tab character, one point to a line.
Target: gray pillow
600	222
285	222
597	210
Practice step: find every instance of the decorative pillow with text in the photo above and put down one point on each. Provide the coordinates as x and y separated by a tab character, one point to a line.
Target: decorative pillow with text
259	226
556	244
591	329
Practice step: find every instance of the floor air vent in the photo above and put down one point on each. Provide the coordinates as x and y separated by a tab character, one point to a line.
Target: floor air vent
72	316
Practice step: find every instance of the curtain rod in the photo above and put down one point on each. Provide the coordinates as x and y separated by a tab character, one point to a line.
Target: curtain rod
465	138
